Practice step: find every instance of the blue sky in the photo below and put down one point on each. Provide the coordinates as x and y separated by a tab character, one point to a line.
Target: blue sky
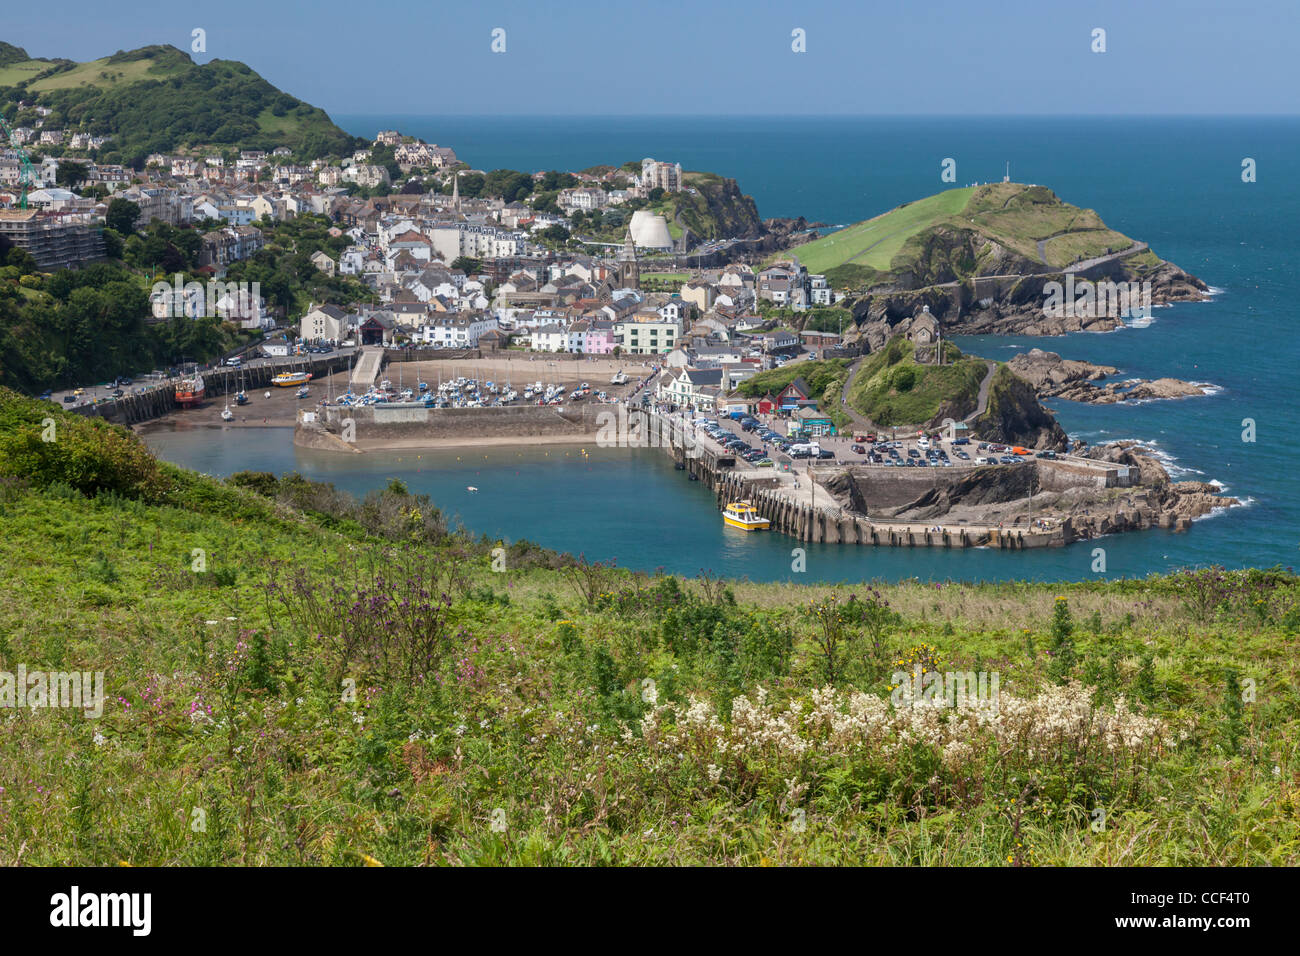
712	57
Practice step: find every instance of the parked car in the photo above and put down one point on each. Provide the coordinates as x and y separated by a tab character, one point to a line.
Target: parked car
858	449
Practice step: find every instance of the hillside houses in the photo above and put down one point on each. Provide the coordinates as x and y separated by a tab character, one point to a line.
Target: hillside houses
223	246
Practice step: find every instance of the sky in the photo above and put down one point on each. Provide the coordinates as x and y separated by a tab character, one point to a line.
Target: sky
863	57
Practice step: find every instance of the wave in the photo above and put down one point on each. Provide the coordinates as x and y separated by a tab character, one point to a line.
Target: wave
1224	509
1176	471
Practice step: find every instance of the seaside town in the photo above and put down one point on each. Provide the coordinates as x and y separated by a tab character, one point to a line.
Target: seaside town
449	288
447	271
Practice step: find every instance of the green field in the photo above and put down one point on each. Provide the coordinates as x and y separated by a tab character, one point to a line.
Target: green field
105	73
875	242
14	73
1010	215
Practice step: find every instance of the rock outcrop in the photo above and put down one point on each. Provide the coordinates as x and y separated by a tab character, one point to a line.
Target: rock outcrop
1054	377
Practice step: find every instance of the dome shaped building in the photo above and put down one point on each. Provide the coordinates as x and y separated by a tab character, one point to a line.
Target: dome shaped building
650	231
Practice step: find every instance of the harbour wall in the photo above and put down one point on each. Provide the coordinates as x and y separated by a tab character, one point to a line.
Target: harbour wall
789	513
160	399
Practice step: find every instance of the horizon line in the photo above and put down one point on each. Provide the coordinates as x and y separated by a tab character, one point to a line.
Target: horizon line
949	116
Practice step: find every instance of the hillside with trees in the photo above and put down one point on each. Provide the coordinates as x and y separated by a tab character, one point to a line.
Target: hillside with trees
157	99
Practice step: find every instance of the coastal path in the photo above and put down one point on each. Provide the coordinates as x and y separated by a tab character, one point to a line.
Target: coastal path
982	401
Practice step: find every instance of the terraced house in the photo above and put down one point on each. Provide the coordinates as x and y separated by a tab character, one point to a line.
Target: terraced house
647	333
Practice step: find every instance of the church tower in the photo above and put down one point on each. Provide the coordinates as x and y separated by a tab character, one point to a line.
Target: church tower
629	270
455	190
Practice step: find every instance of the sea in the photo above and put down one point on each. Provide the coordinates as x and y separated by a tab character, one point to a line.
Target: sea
1218	196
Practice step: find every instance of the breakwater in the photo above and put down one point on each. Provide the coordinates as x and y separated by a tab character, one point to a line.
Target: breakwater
797	505
327	426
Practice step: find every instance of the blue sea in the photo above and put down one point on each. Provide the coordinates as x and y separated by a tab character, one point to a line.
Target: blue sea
1173	182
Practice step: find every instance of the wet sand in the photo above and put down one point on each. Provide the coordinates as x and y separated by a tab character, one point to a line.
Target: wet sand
280	410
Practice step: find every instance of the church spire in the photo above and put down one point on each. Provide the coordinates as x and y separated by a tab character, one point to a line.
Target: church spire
629	270
455	190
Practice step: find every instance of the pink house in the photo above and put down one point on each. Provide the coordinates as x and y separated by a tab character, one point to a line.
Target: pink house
599	339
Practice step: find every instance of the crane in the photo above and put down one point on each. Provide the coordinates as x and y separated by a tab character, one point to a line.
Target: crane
26	173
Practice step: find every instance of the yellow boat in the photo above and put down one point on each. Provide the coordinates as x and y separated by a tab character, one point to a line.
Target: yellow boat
743	515
288	379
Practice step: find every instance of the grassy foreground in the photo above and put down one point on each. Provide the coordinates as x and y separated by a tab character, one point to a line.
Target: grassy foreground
294	677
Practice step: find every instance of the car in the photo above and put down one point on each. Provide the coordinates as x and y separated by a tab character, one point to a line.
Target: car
923	442
1047	453
118	393
858	449
961	441
69	399
825	453
913	453
963	456
861	439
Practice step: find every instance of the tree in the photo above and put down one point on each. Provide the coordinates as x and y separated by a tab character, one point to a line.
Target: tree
70	173
1062	649
112	243
121	216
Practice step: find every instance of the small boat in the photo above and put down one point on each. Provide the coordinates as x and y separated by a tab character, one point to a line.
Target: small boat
303	392
743	515
471	489
289	379
268	395
227	415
